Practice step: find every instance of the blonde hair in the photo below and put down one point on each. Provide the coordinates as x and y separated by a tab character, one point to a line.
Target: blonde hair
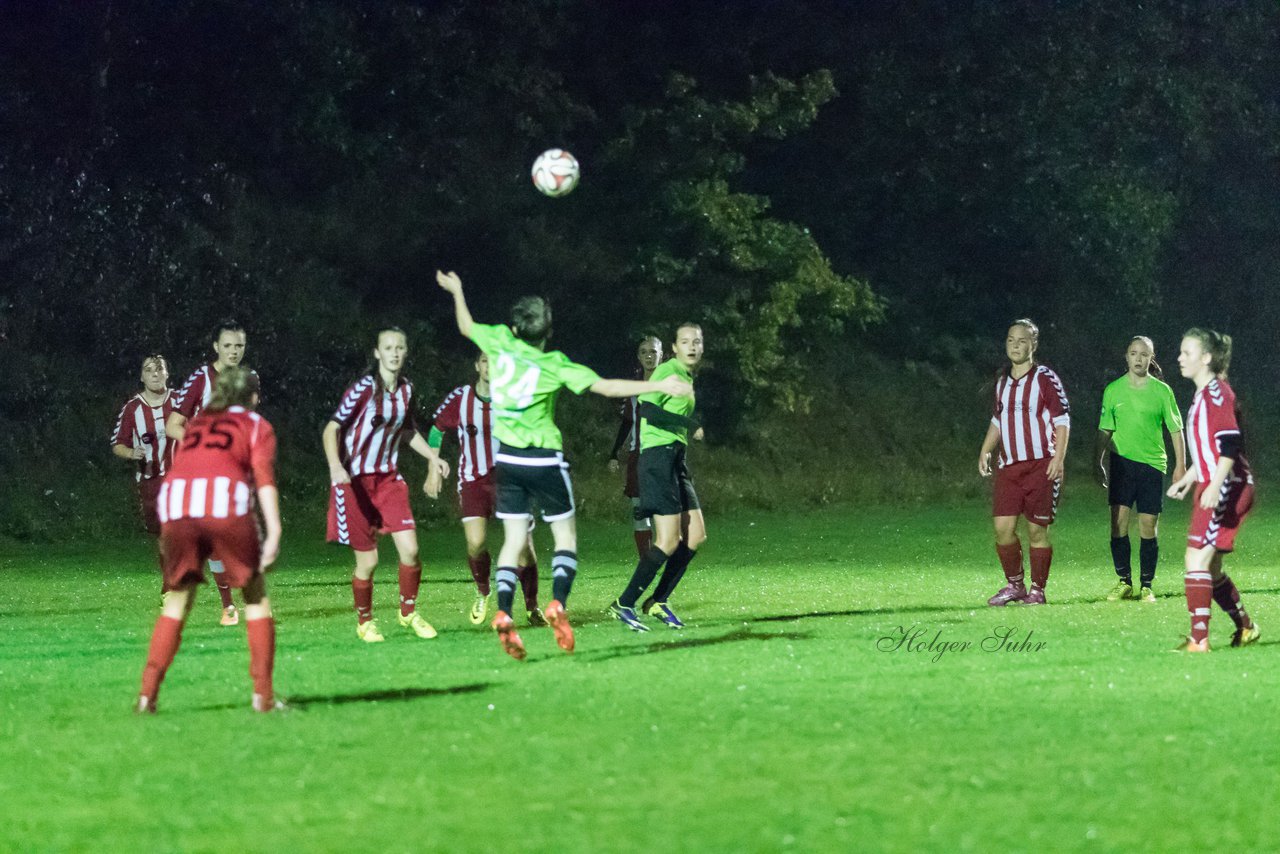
235	387
1216	344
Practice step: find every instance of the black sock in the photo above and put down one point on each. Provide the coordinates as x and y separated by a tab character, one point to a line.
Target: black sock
564	567
507	580
646	569
671	576
1120	556
1148	557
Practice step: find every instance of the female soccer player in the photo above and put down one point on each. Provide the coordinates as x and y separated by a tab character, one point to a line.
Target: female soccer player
1225	491
1031	422
648	355
206	505
368	495
1134	409
468	412
140	436
666	490
531	468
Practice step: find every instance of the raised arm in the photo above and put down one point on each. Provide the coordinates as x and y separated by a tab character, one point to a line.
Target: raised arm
451	283
672	386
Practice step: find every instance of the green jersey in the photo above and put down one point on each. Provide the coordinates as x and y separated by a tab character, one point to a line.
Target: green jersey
1135	415
653	436
523	383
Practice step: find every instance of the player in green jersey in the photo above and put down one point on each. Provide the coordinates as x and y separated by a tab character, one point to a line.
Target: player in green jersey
1136	410
666	489
524	380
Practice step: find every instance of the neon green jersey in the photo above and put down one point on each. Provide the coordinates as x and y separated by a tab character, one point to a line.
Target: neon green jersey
523	383
1135	415
653	436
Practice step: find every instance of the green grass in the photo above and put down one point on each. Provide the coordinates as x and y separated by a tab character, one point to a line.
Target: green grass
773	723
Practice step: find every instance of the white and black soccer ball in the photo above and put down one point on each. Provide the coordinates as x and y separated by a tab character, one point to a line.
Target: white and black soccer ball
555	172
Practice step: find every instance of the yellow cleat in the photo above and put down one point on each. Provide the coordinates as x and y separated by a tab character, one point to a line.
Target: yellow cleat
1146	595
368	632
420	627
1122	590
1246	636
480	608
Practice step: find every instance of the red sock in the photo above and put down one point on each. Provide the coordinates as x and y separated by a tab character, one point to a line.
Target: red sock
1228	599
1040	560
1199	587
262	658
165	639
224	590
644	539
480	571
1011	561
528	576
362	589
410	581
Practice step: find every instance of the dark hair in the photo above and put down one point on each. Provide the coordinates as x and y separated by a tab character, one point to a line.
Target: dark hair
226	325
156	357
688	324
531	320
234	387
1216	344
1153	366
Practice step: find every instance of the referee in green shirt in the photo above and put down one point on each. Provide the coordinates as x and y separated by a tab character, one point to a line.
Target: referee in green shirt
1135	408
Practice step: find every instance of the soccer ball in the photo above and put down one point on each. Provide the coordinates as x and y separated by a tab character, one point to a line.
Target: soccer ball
555	172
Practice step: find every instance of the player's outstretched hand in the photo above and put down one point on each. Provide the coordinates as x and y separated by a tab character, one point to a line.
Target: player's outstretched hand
984	465
675	387
270	551
449	281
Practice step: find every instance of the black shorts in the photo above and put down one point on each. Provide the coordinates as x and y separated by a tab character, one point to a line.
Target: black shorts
529	476
665	486
1132	482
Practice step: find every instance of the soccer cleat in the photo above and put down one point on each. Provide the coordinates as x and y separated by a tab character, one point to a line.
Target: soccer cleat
279	706
1189	645
1008	593
368	632
1122	590
230	616
659	611
537	618
626	616
145	705
1245	636
480	608
559	622
420	627
512	645
1146	595
1035	596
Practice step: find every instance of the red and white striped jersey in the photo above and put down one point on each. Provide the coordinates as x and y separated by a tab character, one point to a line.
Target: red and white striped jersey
1214	416
371	423
195	393
1026	411
226	455
467	413
141	425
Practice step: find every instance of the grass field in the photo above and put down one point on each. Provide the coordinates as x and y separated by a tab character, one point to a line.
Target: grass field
780	720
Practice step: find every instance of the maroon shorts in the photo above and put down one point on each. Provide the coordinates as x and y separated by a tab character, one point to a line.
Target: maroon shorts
185	545
371	504
1217	527
631	488
1023	489
478	499
148	492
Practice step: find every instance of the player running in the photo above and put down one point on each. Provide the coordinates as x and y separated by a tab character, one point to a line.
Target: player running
367	494
1135	408
194	396
140	436
648	355
468	412
1224	495
207	505
525	380
666	489
1031	422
